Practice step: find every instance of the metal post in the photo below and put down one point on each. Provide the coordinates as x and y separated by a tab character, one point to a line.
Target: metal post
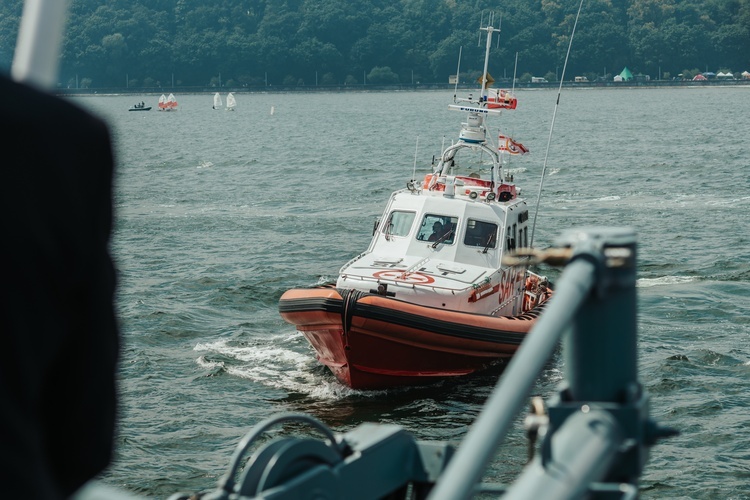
599	406
512	391
583	451
601	357
600	354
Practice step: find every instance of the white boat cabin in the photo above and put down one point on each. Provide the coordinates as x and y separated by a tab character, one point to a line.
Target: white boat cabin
440	242
446	237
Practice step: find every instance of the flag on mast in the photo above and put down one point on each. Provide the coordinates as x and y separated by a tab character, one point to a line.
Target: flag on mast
507	145
487	75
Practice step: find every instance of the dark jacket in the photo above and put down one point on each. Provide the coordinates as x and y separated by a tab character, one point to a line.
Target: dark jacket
57	319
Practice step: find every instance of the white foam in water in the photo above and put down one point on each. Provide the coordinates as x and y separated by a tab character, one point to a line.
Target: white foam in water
277	367
608	198
727	202
664	280
516	170
204	363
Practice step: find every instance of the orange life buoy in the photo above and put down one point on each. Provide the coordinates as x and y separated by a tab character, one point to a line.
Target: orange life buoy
412	278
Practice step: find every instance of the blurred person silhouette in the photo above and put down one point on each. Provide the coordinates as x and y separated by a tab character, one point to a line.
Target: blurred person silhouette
58	394
437	231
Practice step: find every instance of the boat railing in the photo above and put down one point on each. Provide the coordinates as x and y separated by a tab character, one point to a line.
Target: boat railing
406	283
595	430
352	261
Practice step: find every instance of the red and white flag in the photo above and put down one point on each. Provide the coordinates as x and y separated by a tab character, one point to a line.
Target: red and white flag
508	145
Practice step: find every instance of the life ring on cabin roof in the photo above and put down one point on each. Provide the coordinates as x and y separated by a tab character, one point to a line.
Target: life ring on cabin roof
505	196
411	278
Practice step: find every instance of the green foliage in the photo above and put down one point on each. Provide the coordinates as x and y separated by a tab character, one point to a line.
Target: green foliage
382	75
254	43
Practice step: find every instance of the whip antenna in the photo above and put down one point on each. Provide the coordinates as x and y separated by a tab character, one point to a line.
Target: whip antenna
552	125
458	71
416	150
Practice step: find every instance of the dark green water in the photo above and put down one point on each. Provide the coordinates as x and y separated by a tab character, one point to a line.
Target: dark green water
219	213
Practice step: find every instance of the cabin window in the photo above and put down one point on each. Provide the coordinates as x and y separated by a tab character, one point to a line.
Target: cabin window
399	223
523	234
438	228
480	234
508	239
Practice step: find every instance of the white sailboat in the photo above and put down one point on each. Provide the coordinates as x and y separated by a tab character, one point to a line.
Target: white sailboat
231	102
217	101
169	105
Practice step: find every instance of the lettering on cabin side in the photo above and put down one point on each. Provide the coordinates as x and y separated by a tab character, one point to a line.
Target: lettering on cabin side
509	278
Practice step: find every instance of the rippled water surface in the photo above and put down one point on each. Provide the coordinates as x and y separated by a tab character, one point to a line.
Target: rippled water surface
218	213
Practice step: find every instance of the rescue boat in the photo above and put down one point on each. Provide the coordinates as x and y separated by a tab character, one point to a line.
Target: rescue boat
431	297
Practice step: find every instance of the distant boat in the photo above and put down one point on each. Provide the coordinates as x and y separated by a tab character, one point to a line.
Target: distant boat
140	107
231	102
217	101
167	103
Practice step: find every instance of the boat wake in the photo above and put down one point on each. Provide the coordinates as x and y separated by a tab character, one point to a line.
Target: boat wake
275	367
609	198
663	280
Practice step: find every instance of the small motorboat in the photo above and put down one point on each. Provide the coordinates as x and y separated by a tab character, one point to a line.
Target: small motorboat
431	297
139	107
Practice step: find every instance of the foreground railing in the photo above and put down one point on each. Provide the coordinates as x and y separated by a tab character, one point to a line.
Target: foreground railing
595	435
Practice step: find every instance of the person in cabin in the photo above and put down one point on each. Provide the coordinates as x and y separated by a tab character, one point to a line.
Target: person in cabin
437	231
61	341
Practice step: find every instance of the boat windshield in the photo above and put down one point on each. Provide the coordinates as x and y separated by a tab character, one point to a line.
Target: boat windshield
399	223
480	234
440	228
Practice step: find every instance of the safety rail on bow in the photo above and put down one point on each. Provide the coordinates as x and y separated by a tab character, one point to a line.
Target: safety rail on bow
595	433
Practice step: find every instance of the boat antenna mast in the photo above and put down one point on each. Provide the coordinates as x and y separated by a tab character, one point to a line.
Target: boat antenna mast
458	73
552	125
474	132
489	29
485	80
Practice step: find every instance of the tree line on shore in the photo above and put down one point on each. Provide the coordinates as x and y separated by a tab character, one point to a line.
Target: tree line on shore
259	43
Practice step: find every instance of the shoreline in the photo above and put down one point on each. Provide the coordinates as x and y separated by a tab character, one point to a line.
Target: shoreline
391	88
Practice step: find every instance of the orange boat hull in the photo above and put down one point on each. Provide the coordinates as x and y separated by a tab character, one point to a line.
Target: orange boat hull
370	341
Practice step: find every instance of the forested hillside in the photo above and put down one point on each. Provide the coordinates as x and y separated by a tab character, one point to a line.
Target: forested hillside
147	43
